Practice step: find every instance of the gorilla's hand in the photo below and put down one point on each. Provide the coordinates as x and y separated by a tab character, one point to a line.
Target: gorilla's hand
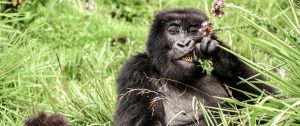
207	47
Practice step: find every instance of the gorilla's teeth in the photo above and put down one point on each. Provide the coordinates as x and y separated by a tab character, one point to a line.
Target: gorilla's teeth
188	58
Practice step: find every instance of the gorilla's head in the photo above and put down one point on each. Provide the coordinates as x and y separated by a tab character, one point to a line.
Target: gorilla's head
171	42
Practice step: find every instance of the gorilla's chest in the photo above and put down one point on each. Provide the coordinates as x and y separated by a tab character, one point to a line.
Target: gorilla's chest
182	107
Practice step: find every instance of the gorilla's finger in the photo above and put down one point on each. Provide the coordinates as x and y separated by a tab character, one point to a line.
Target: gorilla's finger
204	44
203	47
198	50
213	46
205	39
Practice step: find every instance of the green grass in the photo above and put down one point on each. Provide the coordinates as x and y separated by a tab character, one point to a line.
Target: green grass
56	56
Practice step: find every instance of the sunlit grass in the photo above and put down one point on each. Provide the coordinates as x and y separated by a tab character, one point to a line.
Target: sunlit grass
57	56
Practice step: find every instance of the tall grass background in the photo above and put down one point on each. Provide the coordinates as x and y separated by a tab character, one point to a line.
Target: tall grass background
63	56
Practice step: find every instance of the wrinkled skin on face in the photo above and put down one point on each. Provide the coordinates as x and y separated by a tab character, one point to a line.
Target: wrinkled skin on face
175	45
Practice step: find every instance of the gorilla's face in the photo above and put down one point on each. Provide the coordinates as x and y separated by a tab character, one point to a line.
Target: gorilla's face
172	40
181	39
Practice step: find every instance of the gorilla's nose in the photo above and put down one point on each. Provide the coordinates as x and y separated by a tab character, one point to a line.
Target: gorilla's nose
186	44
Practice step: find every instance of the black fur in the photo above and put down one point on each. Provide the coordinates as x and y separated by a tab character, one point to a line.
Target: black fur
150	83
42	119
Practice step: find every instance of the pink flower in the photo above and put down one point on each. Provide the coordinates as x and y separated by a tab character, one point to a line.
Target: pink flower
206	29
217	6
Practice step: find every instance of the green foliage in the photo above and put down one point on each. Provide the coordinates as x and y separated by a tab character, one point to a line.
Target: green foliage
282	46
58	56
206	64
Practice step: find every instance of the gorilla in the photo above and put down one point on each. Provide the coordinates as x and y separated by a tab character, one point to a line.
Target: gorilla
159	86
43	119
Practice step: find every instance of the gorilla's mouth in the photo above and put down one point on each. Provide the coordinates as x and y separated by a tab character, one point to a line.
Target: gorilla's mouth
187	57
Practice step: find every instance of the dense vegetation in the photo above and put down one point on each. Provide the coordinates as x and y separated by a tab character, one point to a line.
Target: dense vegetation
64	55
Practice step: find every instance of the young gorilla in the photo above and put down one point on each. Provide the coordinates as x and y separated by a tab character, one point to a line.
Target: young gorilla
42	119
153	87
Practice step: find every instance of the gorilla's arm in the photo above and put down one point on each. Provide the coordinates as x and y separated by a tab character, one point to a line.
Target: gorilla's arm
134	93
228	68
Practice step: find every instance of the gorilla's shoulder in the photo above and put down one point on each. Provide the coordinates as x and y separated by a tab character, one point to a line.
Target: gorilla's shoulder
135	69
138	62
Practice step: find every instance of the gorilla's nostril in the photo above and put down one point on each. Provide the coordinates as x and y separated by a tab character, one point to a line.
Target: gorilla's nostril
180	45
188	43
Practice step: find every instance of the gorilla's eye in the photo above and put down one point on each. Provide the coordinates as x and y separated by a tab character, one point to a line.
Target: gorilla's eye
193	30
173	30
